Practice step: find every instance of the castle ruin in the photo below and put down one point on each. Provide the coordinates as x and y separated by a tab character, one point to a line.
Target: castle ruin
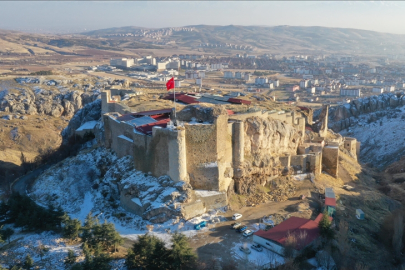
214	149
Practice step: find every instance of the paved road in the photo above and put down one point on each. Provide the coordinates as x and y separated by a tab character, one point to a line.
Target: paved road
21	184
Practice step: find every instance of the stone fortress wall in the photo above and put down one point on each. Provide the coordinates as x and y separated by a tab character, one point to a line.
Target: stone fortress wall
214	151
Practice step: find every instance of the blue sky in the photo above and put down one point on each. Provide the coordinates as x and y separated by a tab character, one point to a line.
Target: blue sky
76	16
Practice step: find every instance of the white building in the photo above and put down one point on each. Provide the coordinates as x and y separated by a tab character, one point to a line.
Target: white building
177	83
122	62
216	66
228	74
378	90
307	76
248	77
191	74
350	92
201	74
311	90
162	65
276	83
261	80
239	75
269	85
304	83
390	88
198	81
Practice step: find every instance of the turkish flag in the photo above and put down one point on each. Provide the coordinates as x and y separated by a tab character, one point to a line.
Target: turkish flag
170	84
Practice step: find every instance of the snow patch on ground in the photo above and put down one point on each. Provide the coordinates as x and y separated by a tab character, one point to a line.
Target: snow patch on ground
256	258
88	183
28	243
383	141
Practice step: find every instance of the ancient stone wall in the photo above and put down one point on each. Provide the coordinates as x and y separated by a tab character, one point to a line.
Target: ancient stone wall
193	209
212	199
350	144
330	160
109	105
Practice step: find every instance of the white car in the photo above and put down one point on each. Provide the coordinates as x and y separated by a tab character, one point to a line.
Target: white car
236	216
247	233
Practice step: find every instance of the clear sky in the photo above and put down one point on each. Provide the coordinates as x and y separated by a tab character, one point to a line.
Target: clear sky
77	16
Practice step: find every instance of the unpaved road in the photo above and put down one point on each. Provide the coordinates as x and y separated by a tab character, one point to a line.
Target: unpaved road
23	182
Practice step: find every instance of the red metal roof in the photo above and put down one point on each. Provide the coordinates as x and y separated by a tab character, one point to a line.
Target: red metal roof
187	99
295	226
330	201
183	98
239	101
230	112
147	129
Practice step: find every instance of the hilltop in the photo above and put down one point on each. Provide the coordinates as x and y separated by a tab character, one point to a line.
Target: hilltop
291	39
264	39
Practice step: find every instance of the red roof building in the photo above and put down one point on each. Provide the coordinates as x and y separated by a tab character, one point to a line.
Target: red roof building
239	101
275	238
182	98
330	202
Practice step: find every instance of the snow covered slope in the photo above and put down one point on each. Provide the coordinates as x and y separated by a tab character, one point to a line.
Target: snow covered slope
382	138
92	181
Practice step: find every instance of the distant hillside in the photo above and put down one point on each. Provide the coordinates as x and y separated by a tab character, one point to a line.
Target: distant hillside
287	39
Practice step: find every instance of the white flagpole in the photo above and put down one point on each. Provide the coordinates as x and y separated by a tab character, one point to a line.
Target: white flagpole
174	98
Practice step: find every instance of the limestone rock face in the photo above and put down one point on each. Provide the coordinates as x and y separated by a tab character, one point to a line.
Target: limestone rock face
90	112
69	108
265	141
266	138
55	103
341	117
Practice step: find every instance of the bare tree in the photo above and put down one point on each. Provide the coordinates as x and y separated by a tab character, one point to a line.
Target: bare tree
398	233
290	245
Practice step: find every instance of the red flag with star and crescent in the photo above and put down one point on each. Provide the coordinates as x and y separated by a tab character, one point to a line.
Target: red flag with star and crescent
170	84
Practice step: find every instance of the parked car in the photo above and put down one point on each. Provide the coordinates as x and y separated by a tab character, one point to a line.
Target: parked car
236	225
245	249
241	229
236	216
247	233
200	225
257	247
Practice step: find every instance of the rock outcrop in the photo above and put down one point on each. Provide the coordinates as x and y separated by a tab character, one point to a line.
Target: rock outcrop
90	112
54	103
265	141
344	116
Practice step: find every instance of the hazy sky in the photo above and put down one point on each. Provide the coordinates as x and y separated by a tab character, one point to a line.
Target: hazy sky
78	16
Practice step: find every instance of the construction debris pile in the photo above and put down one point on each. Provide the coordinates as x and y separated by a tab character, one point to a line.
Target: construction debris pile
281	189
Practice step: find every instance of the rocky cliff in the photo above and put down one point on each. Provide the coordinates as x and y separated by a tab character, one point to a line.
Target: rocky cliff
344	116
265	141
58	102
90	112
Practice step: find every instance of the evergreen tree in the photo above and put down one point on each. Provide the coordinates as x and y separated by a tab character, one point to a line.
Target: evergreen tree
181	255
325	229
71	258
148	252
88	228
28	262
7	233
71	227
